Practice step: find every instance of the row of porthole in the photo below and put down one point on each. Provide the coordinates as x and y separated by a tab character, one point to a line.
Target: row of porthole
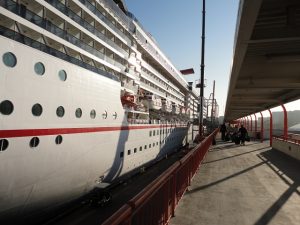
135	149
161	131
10	60
145	147
7	107
34	142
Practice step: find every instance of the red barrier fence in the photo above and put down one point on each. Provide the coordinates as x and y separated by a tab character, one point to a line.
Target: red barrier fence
156	203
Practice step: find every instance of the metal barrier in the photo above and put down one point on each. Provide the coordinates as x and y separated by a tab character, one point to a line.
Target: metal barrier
289	138
156	203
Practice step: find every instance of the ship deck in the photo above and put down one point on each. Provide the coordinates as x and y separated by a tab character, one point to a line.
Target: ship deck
252	184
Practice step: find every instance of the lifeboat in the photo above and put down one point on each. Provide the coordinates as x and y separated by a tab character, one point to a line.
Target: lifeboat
166	105
175	108
153	101
128	100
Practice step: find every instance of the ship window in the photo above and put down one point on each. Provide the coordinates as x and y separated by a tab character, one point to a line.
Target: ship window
6	107
115	115
156	143
128	152
37	109
141	148
62	75
78	112
58	139
154	133
60	111
39	68
3	144
150	133
145	147
153	144
34	142
149	145
135	150
104	115
121	154
93	114
9	59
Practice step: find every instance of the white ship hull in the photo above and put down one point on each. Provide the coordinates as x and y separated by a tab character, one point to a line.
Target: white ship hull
51	174
64	128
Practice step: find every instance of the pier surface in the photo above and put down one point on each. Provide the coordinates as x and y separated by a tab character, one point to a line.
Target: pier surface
242	185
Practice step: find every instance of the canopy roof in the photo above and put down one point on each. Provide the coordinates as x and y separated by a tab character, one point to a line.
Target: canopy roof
266	63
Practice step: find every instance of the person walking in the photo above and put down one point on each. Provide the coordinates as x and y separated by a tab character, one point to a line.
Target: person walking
223	130
243	132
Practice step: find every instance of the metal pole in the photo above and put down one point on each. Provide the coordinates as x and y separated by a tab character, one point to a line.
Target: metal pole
202	71
212	107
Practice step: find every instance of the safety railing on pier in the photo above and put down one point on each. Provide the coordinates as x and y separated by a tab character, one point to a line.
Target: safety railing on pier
294	138
156	203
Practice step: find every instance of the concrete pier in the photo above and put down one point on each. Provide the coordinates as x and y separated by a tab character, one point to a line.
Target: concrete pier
242	185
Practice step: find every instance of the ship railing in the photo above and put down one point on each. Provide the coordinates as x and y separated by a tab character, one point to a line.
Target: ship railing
47	25
153	52
44	48
94	10
61	7
157	201
156	73
137	121
119	13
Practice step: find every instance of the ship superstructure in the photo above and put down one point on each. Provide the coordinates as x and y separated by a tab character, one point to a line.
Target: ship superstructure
86	97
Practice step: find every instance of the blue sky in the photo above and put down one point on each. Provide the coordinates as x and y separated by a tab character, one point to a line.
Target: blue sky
176	26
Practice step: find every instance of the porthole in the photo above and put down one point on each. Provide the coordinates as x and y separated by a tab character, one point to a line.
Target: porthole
78	112
39	68
34	142
93	114
128	152
121	154
6	107
9	59
60	111
37	109
154	133
3	145
149	145
58	139
115	115
104	115
141	148
145	147
153	144
62	75
150	133
135	150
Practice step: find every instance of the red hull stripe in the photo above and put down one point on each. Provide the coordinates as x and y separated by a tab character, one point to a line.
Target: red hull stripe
56	131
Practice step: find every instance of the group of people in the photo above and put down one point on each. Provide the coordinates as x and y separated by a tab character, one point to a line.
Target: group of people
237	135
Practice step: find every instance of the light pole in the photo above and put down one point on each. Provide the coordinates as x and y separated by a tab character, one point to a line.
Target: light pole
202	72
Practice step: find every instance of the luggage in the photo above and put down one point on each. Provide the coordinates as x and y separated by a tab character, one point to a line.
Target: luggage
237	140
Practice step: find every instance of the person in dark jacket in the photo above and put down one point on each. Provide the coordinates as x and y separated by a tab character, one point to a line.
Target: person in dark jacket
223	130
243	131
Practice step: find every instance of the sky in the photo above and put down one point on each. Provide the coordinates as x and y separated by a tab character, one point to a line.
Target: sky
176	25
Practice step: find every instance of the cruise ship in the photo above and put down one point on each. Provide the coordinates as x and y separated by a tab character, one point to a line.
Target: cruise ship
87	98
